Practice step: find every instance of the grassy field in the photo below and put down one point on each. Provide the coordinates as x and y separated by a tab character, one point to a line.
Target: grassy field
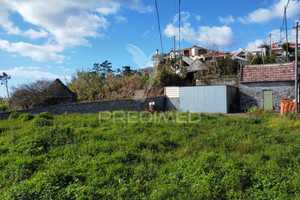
220	157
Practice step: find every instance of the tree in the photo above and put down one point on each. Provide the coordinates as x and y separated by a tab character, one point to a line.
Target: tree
127	71
4	81
267	60
256	60
103	69
28	96
86	84
227	66
287	46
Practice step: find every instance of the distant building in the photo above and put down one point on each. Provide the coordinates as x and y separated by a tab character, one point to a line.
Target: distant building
58	93
279	51
200	53
241	56
197	59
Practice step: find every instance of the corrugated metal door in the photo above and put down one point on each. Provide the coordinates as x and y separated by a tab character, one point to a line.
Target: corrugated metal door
207	99
268	100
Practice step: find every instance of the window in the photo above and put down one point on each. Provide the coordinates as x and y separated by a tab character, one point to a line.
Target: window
202	51
187	53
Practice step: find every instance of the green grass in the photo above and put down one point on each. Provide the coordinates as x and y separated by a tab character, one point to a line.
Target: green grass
76	157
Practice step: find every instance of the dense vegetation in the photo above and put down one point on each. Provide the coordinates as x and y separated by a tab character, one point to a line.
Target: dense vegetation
3	105
220	157
27	96
103	83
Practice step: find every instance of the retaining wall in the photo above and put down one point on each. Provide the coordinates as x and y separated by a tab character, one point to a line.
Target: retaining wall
223	81
95	107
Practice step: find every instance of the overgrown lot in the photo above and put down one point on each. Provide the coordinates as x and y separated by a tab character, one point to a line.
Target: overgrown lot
220	157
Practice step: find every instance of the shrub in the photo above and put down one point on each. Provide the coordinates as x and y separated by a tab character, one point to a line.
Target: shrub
42	122
3	108
3	105
14	115
26	117
28	96
45	115
255	110
43	119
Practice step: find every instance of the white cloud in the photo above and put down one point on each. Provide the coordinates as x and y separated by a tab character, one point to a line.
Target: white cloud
32	34
219	36
33	68
184	16
10	28
136	5
110	9
276	37
120	19
32	73
264	15
63	23
187	33
65	69
204	35
45	52
5	23
198	18
69	24
227	20
253	46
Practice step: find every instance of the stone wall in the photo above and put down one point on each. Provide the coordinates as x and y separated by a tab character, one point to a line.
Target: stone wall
251	94
95	107
224	81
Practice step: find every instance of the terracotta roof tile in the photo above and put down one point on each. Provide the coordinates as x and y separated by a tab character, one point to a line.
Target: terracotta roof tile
268	73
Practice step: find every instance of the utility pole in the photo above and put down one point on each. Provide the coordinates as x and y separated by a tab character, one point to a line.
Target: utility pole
175	50
286	34
296	71
270	53
180	61
174	44
6	84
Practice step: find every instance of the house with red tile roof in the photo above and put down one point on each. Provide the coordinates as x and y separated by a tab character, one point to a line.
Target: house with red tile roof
197	58
279	51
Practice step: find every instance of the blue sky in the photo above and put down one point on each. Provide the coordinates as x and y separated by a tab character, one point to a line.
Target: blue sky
51	39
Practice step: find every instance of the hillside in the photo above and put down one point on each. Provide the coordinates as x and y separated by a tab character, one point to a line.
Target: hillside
102	83
220	157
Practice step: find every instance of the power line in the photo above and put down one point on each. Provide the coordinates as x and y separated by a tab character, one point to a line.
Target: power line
285	14
285	18
175	14
175	7
281	38
294	4
158	20
291	31
179	14
282	25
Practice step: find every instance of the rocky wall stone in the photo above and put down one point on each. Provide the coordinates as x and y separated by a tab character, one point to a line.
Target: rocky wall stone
96	107
251	94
